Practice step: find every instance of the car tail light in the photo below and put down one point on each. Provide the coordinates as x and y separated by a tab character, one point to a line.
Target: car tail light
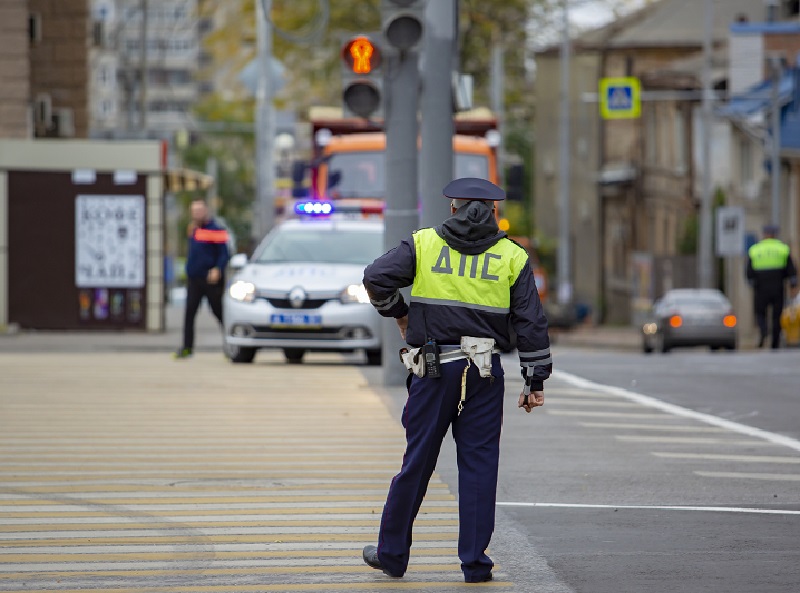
675	321
729	321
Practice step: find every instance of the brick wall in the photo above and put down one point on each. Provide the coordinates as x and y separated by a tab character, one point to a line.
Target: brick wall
14	69
60	61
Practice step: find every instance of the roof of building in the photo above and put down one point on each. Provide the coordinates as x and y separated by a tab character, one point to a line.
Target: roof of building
667	23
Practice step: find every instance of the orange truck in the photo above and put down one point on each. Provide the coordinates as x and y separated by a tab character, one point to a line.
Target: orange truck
348	164
349	152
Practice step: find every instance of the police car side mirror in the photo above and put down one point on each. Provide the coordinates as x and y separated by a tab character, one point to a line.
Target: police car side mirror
238	261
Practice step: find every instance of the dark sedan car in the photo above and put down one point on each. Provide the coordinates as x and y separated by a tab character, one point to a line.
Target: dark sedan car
690	317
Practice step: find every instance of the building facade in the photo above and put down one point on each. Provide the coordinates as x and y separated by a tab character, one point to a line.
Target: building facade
634	183
143	70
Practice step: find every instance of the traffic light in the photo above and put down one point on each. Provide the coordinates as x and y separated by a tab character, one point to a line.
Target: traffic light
402	22
361	77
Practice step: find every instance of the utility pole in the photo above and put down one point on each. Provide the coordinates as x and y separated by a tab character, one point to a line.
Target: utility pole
436	155
401	216
497	75
564	255
143	71
705	264
265	124
775	154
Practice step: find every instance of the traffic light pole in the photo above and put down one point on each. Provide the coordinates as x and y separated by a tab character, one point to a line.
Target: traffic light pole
436	154
401	215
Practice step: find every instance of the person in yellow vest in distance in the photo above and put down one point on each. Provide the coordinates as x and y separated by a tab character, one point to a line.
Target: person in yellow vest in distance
205	270
769	266
471	286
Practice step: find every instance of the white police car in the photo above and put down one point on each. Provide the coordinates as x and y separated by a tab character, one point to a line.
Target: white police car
301	291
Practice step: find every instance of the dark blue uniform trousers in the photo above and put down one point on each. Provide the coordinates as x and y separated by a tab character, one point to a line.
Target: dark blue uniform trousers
431	408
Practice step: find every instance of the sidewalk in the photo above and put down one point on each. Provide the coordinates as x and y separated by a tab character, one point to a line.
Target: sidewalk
208	337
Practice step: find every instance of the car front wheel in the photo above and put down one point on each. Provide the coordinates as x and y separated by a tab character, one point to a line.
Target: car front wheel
240	354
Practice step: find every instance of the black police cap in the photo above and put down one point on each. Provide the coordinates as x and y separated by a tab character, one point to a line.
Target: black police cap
473	188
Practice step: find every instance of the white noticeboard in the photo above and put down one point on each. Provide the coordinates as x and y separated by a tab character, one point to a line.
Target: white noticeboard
730	231
109	241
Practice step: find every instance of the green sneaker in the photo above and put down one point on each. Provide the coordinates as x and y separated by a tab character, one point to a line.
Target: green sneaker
182	353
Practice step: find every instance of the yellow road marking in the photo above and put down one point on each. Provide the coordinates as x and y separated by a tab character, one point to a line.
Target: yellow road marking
216	500
204	524
286	587
208	539
186	556
221	512
157	572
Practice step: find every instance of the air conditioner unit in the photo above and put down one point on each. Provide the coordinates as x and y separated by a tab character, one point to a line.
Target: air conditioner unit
64	123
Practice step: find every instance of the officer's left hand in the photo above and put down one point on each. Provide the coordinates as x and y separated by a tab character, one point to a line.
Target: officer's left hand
535	399
213	276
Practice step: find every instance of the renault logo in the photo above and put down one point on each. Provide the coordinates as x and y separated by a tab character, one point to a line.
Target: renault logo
297	297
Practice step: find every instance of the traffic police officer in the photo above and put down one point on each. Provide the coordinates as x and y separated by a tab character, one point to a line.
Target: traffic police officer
470	282
769	265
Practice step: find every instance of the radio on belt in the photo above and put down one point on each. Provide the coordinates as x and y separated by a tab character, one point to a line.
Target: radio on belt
431	353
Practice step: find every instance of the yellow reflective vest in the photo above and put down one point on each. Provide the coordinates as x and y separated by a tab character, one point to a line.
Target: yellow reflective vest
482	282
769	254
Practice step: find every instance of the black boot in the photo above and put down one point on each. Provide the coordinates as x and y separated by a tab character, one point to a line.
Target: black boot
370	555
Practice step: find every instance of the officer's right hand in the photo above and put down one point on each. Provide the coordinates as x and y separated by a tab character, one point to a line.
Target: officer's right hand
402	324
535	400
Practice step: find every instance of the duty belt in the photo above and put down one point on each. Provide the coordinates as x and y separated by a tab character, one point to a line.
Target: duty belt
477	351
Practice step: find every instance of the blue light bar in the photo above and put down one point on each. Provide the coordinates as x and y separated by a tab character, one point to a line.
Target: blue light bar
314	208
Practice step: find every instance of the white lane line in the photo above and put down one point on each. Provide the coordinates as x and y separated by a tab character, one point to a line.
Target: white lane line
660	427
636	415
689	440
590	403
651	507
675	410
746	476
724	457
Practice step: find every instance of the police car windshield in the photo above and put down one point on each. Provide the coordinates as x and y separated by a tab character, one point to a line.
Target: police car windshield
361	174
321	246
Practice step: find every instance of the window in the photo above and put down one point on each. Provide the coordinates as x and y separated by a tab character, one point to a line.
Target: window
651	135
471	165
321	245
680	142
34	28
746	160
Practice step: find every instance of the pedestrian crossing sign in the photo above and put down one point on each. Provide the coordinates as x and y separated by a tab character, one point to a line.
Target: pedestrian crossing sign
620	98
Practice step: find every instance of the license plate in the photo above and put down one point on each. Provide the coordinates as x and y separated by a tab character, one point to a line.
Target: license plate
297	320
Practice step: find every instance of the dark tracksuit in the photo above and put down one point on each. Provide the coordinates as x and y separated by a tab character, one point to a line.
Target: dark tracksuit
432	405
768	287
208	248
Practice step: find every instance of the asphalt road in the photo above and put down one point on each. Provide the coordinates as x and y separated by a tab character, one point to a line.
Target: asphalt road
600	491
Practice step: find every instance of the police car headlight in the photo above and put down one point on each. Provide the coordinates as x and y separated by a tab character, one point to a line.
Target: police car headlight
355	293
244	292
